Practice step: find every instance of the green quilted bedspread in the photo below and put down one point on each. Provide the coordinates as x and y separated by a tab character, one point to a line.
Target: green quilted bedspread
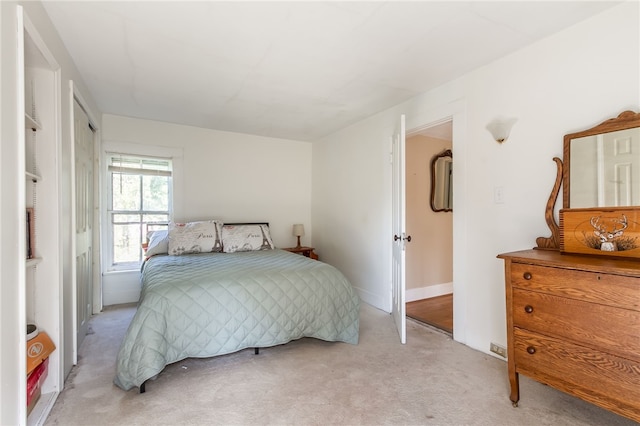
203	305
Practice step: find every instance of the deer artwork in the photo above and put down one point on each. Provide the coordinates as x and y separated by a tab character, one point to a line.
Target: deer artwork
607	238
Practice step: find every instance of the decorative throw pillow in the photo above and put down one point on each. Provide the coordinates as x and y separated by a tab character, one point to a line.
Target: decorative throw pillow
158	243
246	238
195	237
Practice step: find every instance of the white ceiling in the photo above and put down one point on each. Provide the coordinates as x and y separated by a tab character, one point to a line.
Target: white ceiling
293	70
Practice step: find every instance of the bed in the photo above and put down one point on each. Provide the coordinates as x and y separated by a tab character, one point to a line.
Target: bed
208	304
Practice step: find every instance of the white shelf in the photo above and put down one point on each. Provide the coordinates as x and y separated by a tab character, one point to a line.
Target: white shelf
41	281
42	409
32	177
31	123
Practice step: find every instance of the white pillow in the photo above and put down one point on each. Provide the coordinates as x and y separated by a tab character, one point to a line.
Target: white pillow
158	243
246	238
195	237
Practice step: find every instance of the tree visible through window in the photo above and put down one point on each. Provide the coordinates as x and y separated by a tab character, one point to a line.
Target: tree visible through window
140	202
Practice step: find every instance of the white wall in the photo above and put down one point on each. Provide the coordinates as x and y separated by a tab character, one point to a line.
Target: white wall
11	295
228	176
564	83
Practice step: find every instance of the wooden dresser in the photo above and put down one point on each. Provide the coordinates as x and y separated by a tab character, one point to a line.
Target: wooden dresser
573	322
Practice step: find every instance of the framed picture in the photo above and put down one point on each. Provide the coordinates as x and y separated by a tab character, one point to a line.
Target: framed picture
30	231
607	231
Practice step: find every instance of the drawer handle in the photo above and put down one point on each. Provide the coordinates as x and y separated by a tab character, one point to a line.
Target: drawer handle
528	309
527	275
531	350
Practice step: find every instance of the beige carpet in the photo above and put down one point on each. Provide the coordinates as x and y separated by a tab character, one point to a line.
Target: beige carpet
432	380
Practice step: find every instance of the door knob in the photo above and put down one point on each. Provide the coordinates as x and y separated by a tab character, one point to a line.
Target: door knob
396	238
407	238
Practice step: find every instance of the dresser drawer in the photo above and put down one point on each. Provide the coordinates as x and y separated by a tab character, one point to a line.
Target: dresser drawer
604	379
608	289
603	327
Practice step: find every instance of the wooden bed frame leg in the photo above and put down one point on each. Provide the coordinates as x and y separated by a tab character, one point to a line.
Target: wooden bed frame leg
143	387
256	351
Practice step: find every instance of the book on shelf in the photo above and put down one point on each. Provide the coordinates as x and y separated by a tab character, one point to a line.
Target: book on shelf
29	232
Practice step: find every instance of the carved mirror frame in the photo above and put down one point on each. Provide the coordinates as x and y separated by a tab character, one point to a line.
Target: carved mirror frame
625	120
437	181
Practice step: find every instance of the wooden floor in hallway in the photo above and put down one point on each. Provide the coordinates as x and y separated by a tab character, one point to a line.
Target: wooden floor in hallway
435	311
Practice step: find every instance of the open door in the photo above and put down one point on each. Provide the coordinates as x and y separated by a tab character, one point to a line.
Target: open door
400	238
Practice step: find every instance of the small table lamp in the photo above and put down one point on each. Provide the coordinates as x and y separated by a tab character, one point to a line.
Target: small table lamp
298	231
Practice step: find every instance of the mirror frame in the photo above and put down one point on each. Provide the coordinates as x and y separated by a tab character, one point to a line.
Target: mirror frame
625	120
434	159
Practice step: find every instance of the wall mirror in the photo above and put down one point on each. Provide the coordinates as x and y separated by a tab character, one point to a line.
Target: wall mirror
441	182
602	164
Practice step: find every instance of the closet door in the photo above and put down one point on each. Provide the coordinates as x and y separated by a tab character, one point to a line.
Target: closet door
83	141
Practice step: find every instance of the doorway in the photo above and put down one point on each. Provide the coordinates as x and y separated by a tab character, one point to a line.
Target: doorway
429	257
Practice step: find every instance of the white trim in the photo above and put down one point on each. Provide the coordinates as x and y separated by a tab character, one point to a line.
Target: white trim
39	42
83	104
455	111
97	225
417	130
57	114
19	413
428	292
72	227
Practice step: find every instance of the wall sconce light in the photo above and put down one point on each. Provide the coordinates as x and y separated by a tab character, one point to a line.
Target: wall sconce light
500	128
298	231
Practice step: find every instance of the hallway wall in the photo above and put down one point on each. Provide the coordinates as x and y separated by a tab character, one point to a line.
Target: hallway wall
429	256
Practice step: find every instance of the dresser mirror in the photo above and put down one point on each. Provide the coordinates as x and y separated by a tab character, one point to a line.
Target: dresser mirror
602	164
600	169
441	182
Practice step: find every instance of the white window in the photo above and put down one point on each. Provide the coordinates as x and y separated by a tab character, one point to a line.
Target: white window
139	201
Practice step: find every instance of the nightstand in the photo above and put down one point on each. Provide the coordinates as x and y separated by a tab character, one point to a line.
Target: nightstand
305	251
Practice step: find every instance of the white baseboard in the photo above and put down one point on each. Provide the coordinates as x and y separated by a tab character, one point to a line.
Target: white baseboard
372	299
435	290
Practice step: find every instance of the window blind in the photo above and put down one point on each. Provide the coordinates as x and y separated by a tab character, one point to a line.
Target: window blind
132	165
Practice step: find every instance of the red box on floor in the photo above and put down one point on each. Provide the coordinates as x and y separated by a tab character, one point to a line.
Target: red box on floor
38	349
34	383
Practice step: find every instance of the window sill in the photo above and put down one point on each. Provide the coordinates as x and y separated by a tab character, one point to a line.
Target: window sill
122	271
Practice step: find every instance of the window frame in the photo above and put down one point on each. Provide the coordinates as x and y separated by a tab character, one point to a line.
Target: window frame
108	247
